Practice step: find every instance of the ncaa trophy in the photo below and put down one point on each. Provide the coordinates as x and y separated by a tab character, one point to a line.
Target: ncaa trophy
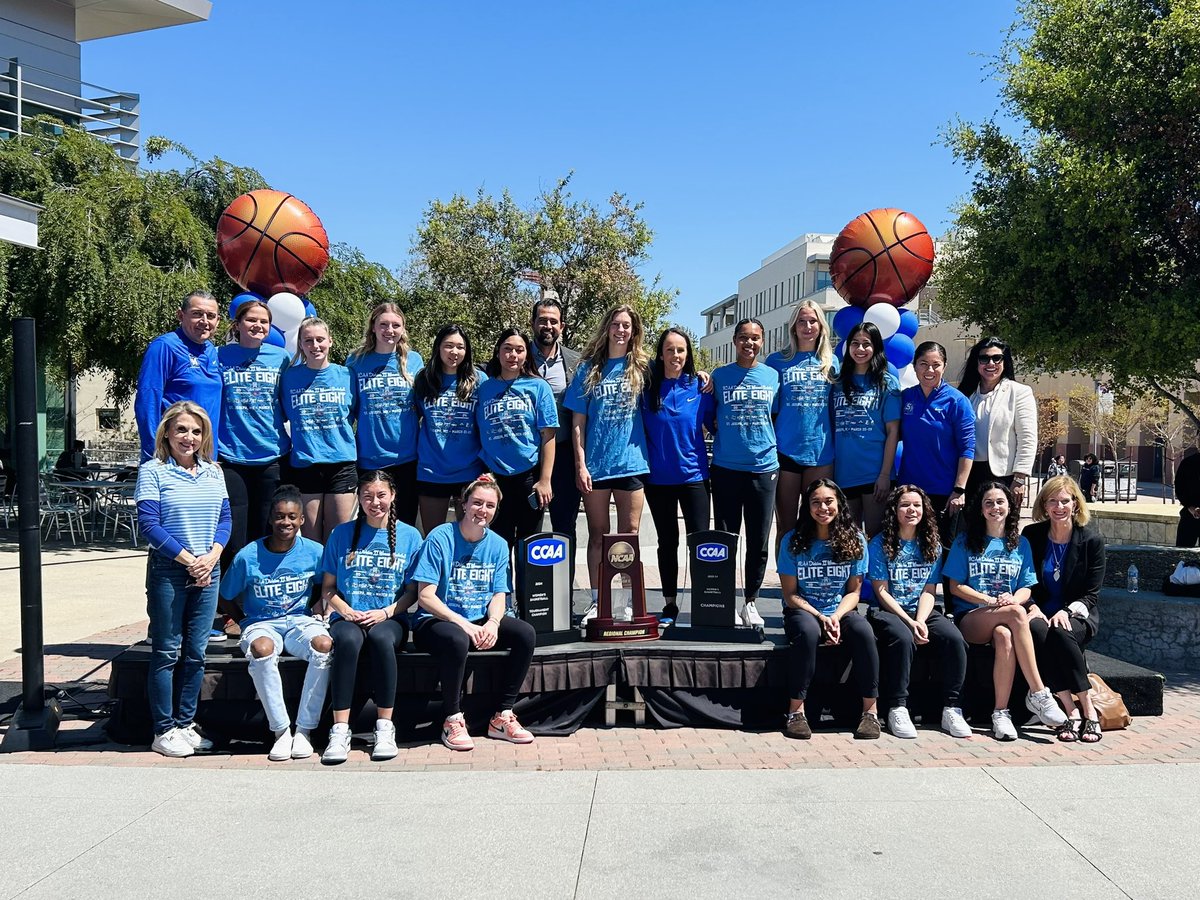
619	555
712	557
544	587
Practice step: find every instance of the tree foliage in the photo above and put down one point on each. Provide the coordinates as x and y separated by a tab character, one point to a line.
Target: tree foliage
1080	240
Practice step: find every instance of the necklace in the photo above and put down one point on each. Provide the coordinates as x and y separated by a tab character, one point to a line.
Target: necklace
1057	552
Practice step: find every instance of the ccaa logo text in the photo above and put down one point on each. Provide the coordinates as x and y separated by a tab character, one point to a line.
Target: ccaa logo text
547	552
712	552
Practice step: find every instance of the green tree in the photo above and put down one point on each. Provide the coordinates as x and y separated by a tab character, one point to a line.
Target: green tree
1080	240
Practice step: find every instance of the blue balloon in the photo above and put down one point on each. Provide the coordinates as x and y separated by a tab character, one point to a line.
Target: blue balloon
909	323
839	352
275	336
309	310
900	350
893	371
240	299
846	318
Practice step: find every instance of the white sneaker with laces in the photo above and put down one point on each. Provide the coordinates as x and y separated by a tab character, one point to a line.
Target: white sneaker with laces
750	615
1002	725
900	723
338	748
195	739
953	722
302	747
590	614
385	741
1043	705
172	743
282	748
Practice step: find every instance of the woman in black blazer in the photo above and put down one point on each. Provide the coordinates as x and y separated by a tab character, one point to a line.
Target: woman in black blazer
1069	559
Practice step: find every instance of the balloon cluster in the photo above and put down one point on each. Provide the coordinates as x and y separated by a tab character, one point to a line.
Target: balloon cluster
287	312
897	327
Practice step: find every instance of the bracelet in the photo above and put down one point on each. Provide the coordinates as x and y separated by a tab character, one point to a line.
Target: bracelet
958	491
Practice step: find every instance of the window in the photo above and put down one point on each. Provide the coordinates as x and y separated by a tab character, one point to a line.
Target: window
108	419
823	280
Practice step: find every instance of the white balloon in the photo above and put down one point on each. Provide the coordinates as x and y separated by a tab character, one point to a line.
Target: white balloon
908	377
287	311
289	341
883	316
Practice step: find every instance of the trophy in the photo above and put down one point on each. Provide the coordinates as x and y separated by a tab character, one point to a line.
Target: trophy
620	555
544	587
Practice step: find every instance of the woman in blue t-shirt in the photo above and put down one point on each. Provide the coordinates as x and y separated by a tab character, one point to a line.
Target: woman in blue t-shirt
319	402
610	440
675	410
905	568
271	581
821	567
866	426
251	439
462	576
383	369
518	420
366	587
183	512
990	572
745	461
807	371
448	443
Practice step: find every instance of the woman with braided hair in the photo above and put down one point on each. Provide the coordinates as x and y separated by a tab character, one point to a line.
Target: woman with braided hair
366	568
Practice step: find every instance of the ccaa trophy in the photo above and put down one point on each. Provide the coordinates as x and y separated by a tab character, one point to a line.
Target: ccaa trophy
712	557
620	555
544	587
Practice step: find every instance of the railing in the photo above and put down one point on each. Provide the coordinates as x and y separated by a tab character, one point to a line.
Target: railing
112	116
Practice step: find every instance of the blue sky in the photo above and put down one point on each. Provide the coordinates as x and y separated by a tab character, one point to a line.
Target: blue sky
740	126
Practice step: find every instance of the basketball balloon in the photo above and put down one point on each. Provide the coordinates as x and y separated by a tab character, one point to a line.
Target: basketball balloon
270	242
885	255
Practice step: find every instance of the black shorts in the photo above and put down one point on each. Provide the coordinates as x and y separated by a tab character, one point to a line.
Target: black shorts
451	489
323	478
859	490
787	464
623	483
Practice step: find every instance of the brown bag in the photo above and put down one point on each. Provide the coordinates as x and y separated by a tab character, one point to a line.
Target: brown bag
1110	708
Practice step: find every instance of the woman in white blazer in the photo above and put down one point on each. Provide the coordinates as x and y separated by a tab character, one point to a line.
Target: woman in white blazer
1005	418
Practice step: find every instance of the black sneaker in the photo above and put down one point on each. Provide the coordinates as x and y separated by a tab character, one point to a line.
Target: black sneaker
669	613
797	726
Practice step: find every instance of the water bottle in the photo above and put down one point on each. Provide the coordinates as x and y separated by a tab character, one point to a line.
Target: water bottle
1131	579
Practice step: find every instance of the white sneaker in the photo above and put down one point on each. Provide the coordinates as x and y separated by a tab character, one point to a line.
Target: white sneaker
195	739
953	722
1002	725
172	743
900	723
338	748
1043	705
750	615
385	741
302	747
590	614
282	748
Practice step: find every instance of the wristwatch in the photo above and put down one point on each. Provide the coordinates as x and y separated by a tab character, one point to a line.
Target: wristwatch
958	491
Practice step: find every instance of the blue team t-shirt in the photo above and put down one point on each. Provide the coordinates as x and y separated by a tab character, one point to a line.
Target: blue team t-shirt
859	432
803	427
511	416
448	445
615	437
467	575
675	432
995	571
387	419
819	578
272	585
320	405
745	402
251	429
906	575
371	579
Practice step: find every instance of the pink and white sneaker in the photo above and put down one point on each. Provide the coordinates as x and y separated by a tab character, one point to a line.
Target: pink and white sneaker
505	727
454	734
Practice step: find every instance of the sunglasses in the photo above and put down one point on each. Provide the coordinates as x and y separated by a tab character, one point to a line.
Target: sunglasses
995	359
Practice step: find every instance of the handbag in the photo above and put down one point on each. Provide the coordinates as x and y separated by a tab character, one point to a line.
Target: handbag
1109	706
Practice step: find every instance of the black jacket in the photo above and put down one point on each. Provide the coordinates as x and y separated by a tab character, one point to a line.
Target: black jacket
1082	568
1187	481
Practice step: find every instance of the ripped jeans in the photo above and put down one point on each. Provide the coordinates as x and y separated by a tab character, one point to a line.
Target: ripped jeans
293	634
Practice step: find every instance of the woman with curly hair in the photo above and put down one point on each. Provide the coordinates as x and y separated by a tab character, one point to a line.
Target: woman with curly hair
905	568
821	568
990	571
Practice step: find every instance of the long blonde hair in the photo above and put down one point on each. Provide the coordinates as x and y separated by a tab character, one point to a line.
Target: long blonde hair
162	448
637	360
368	341
824	350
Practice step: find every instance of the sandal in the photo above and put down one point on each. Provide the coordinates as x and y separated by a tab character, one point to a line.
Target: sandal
1066	732
1089	731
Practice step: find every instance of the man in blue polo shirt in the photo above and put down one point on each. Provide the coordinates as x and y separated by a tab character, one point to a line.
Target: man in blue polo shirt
180	365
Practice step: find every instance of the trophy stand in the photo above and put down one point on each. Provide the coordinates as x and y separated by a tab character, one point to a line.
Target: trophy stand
712	558
544	587
620	555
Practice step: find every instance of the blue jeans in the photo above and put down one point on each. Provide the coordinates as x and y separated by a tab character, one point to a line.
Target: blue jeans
295	635
181	617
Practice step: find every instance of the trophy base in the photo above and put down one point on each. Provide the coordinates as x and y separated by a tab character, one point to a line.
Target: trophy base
715	634
553	638
642	628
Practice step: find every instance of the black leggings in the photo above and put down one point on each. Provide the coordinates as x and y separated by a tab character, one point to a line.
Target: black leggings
664	500
383	640
804	633
250	488
1059	654
449	645
515	518
897	648
754	493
